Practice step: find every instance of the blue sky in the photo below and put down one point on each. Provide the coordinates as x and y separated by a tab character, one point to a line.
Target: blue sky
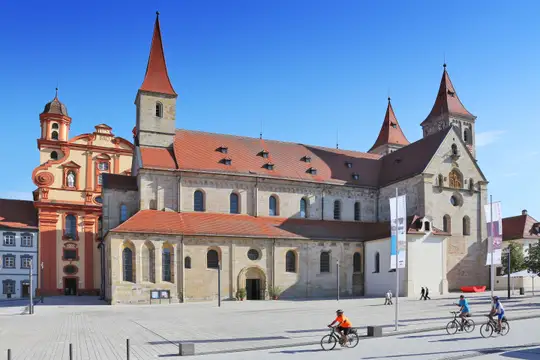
303	68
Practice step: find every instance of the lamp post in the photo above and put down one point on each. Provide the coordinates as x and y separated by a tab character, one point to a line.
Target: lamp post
42	266
509	251
337	278
31	305
219	282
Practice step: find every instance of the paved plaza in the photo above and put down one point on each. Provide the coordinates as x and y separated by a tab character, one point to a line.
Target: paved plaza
291	328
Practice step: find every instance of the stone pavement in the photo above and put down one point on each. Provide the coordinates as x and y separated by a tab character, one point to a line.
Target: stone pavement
100	332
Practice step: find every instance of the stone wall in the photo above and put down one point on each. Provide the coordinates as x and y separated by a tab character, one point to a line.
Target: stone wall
153	130
413	188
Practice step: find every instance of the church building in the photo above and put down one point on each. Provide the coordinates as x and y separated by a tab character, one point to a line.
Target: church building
289	219
68	200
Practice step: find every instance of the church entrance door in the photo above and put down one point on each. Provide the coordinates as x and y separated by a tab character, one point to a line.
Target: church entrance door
253	289
70	286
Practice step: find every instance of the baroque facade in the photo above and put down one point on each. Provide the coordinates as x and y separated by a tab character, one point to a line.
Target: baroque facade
68	199
275	214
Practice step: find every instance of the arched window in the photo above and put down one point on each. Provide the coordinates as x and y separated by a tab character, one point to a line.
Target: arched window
187	262
198	201
466	136
447	224
357	262
471	184
325	262
272	206
123	213
127	265
441	180
166	262
455	179
233	204
71	226
100	226
54	155
377	262
454	149
159	109
290	262
337	210
303	208
71	179
466	225
148	262
357	211
55	126
54	135
212	259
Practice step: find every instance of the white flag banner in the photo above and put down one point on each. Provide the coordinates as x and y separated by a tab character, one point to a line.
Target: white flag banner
494	230
398	224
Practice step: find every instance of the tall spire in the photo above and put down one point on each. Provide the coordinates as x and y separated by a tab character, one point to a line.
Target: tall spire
391	133
447	101
156	78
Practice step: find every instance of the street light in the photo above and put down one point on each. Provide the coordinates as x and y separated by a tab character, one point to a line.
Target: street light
41	282
508	250
337	278
219	283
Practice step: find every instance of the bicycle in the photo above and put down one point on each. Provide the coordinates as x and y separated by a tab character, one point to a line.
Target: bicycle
329	342
487	329
453	326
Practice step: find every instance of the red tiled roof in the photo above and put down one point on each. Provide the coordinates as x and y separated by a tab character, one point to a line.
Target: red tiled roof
18	214
391	132
447	101
213	224
199	151
519	227
156	78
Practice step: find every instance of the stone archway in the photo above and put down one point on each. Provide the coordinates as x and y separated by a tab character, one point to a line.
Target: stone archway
253	279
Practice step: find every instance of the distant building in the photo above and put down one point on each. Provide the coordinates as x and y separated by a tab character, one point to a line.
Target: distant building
68	199
279	214
18	248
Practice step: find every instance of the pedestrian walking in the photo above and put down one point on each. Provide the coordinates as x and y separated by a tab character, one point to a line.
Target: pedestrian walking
427	294
386	299
389	297
422	294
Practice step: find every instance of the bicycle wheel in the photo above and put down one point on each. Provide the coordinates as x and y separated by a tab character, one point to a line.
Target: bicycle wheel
452	327
352	340
469	326
328	342
505	328
486	330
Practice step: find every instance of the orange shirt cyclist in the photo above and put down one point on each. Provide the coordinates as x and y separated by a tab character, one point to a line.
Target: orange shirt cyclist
343	325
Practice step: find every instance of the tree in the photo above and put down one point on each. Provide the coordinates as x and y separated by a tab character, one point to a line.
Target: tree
533	258
517	258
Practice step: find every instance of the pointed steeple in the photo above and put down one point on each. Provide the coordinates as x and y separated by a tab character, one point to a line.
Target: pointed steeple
391	135
447	101
156	78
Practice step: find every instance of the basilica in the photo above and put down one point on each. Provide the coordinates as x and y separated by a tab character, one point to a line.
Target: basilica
202	215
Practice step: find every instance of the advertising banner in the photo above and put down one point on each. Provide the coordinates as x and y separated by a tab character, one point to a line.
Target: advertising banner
494	230
398	223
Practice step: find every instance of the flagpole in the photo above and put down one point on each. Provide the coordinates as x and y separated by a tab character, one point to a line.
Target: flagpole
492	285
397	263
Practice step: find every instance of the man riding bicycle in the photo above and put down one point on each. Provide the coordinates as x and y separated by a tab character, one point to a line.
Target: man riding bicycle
498	309
464	309
343	326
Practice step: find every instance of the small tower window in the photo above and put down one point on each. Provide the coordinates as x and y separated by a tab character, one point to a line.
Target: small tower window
355	176
226	161
54	135
306	159
54	155
269	166
348	164
393	125
264	154
312	171
159	109
223	149
454	150
55	126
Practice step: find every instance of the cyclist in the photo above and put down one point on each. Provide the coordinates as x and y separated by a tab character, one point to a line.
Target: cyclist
499	310
343	326
464	309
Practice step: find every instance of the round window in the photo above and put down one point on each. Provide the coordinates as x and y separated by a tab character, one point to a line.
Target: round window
454	200
253	254
70	269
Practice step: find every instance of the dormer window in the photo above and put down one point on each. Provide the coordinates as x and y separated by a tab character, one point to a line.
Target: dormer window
348	164
306	159
159	109
394	125
264	154
355	176
451	93
226	161
223	149
312	171
269	166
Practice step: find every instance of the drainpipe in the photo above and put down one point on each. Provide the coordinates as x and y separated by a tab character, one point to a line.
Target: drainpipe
178	207
183	285
274	264
322	203
256	196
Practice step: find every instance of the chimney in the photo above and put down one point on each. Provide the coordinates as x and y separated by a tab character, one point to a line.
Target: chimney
523	212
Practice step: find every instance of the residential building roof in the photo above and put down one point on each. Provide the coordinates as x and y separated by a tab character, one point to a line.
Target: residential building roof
522	226
18	214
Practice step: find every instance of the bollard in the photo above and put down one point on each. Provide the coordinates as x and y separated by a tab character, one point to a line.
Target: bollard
127	348
186	349
8	354
70	351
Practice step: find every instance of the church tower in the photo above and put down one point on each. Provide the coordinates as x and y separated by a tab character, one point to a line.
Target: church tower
156	100
391	136
449	111
55	121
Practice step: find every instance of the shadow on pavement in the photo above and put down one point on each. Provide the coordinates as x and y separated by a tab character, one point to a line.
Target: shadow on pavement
219	340
457	339
484	351
421	336
528	354
298	351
